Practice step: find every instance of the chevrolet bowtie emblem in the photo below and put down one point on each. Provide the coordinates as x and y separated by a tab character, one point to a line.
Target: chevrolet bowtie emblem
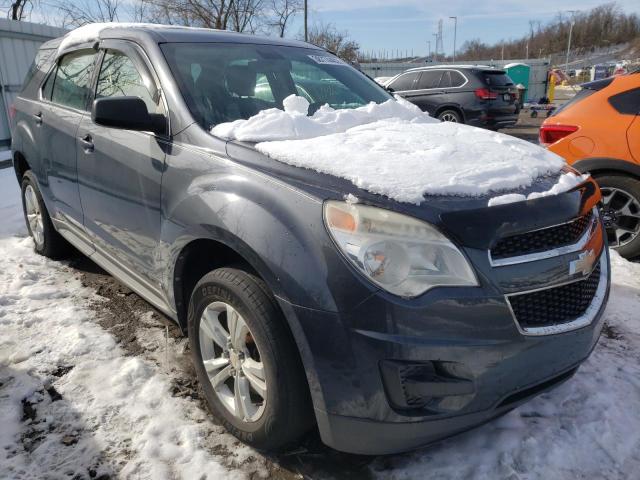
584	263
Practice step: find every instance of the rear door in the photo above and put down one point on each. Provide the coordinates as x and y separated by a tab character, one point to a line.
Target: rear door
64	97
120	171
428	93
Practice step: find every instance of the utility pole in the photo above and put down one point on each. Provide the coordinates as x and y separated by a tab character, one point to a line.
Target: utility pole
306	30
435	52
527	57
566	63
502	50
429	47
455	33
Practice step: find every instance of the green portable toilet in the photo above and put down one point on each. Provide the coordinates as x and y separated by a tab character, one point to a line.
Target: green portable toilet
519	73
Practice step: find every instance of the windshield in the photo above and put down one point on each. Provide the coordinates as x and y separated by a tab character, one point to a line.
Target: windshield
223	82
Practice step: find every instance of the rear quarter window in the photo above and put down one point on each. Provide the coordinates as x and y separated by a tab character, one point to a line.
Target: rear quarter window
627	103
38	69
457	80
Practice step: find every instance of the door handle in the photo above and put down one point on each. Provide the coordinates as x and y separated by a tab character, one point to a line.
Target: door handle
38	118
87	143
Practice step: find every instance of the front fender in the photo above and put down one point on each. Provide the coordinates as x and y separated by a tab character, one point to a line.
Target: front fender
275	227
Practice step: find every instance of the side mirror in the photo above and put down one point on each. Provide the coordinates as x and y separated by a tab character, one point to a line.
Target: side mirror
389	89
129	113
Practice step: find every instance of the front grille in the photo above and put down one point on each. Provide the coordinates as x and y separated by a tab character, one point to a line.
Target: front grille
556	305
542	240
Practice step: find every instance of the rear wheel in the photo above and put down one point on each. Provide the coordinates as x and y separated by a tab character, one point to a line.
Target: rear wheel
47	241
450	116
621	212
246	360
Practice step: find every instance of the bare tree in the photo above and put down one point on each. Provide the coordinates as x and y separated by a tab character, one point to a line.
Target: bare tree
80	12
16	8
283	11
238	15
338	42
246	15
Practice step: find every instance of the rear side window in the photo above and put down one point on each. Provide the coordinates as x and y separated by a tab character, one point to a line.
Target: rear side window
405	82
430	79
39	63
497	79
119	77
72	79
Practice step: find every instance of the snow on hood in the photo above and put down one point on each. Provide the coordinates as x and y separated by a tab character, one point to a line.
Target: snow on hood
566	182
394	149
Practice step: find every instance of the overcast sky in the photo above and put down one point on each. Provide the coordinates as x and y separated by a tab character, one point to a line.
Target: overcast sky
408	24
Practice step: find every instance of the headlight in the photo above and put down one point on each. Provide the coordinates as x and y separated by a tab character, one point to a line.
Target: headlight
401	254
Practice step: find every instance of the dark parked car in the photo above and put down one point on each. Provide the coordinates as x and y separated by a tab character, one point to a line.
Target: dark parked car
479	96
112	147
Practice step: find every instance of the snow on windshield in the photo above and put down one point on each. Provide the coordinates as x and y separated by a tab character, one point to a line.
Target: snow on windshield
394	149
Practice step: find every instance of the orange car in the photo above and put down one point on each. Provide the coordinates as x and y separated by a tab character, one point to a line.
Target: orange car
598	131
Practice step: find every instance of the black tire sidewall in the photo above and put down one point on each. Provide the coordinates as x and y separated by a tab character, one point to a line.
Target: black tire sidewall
215	287
632	187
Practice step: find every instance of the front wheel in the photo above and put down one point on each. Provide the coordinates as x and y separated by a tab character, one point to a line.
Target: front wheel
246	360
621	212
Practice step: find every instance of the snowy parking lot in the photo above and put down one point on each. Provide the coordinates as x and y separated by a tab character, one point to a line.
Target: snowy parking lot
94	383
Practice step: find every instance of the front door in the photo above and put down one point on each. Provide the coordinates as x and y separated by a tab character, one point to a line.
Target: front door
120	171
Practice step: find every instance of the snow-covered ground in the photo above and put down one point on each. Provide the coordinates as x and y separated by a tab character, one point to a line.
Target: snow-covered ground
75	403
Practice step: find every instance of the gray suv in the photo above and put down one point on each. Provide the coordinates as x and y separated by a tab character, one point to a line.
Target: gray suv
113	150
477	95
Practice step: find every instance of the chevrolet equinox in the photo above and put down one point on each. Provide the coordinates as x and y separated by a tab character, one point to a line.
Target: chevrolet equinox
264	264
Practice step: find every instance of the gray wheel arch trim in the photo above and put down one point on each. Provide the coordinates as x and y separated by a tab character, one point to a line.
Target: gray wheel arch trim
603	164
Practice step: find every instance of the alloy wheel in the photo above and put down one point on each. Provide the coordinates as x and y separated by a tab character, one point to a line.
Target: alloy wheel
449	117
34	215
232	362
621	216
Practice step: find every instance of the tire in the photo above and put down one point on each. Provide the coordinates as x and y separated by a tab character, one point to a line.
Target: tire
47	241
283	414
450	116
621	212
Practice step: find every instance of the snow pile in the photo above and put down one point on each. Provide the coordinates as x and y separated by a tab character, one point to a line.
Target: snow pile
11	216
565	183
117	410
394	149
292	123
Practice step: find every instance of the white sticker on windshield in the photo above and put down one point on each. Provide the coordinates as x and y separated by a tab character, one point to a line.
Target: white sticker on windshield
327	60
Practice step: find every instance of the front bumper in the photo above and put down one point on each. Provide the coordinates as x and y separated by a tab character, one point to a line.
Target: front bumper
368	437
473	363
